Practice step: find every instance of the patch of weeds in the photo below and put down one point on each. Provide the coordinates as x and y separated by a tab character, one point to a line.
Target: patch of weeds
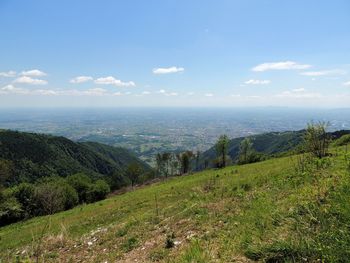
158	255
237	192
121	232
210	185
195	253
130	244
276	252
52	255
199	212
246	187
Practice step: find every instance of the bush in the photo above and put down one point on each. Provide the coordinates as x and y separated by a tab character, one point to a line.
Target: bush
117	181
317	140
81	183
50	198
98	191
344	140
10	209
54	195
25	194
71	198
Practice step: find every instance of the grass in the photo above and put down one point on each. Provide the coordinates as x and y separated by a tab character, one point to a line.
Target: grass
264	211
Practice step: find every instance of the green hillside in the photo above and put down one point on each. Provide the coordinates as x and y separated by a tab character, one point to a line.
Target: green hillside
270	144
279	210
33	156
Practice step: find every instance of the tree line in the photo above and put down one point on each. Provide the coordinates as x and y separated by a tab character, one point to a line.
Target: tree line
171	164
49	195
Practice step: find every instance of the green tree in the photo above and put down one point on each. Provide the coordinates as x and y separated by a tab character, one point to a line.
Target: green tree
185	159
245	151
81	183
134	171
25	194
6	171
50	198
10	209
118	180
159	163
98	191
221	147
166	157
316	139
197	159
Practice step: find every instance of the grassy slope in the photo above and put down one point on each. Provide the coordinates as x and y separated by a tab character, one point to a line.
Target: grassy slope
261	211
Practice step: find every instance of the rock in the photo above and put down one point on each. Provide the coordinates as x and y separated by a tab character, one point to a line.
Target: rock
176	243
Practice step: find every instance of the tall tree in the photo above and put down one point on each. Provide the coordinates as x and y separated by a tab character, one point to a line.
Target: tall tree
185	163
197	159
159	163
134	171
166	160
221	147
245	151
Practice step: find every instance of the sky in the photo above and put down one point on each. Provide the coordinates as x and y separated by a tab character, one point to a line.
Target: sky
174	53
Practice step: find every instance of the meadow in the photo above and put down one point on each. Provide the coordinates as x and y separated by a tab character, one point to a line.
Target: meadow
286	209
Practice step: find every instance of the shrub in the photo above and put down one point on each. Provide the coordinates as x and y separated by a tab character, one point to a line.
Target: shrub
25	194
50	198
81	183
10	209
344	140
71	198
316	139
98	191
118	180
130	244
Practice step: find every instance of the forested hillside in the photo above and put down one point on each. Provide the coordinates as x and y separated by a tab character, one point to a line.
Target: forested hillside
26	157
266	144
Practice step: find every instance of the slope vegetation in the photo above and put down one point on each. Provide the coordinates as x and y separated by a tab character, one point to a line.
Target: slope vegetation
270	144
273	211
35	155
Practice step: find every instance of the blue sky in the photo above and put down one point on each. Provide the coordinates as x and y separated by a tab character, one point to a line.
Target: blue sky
174	53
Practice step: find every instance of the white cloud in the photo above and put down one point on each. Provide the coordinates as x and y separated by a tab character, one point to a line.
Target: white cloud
33	73
209	95
346	83
46	92
29	80
117	94
299	93
257	82
80	79
283	65
253	97
323	73
96	92
162	91
172	94
8	74
113	81
14	90
146	93
190	93
236	95
167	70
